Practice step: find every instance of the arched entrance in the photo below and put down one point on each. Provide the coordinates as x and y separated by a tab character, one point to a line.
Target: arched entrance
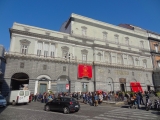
109	84
19	80
62	81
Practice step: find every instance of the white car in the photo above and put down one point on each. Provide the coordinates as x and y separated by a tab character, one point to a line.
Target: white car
3	101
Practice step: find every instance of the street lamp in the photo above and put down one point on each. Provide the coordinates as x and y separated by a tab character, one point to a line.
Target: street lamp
68	55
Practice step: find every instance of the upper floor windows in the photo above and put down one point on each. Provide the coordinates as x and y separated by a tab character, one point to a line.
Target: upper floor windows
52	50
104	36
99	56
84	31
39	50
65	51
84	55
127	40
156	47
24	46
116	37
142	44
107	57
145	63
125	61
130	60
119	59
46	48
136	62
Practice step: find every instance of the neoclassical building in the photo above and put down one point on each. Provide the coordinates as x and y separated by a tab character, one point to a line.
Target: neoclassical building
85	55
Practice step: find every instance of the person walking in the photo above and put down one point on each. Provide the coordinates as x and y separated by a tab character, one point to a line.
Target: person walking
96	100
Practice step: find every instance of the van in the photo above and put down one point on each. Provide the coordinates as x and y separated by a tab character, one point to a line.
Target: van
18	97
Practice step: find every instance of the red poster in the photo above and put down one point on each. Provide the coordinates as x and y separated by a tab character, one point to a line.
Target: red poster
67	86
136	86
84	71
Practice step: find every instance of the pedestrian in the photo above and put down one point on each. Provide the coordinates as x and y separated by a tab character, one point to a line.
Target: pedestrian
96	100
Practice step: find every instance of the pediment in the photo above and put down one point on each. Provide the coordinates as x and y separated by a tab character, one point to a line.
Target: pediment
25	41
65	48
84	51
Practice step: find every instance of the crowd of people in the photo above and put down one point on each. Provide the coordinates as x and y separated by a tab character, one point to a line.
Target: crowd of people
96	98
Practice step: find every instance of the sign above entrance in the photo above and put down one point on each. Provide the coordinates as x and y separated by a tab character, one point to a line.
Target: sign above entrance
122	80
84	71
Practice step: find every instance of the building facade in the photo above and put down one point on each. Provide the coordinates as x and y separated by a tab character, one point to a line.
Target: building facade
154	40
85	55
2	66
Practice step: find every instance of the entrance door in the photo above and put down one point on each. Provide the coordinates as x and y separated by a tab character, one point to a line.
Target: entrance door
148	87
122	87
84	87
42	88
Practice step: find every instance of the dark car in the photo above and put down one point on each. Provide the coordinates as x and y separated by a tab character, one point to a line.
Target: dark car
65	104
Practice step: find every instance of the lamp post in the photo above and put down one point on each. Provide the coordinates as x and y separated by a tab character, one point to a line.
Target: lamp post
68	55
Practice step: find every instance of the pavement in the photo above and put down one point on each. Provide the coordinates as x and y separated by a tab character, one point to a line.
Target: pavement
34	111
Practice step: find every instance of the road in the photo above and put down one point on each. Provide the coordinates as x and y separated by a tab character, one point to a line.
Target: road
34	111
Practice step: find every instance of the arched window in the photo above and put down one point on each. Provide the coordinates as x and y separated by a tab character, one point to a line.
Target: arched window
130	60
119	59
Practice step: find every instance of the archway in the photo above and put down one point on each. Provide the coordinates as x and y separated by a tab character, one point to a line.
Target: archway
62	81
109	84
19	80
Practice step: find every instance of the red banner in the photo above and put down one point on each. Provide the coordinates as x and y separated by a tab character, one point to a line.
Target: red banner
136	86
84	71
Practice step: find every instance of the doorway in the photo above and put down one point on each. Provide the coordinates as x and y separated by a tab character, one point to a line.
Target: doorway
122	87
42	88
148	87
18	80
84	87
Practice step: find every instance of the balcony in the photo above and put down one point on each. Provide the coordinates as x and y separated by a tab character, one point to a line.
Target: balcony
107	41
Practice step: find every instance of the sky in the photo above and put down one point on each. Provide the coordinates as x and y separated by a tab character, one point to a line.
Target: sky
51	14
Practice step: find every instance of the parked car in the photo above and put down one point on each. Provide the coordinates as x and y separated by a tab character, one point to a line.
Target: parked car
18	96
3	102
65	104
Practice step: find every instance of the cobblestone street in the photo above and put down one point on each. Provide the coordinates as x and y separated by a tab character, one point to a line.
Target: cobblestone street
34	111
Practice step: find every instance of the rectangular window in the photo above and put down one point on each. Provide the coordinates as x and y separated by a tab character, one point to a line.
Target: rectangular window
39	50
45	53
24	49
64	54
64	68
46	47
156	48
52	49
84	31
44	67
116	39
84	57
142	44
22	65
104	36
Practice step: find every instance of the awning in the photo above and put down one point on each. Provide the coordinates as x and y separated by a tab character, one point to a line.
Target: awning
136	86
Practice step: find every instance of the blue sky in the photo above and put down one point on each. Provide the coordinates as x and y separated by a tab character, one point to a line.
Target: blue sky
50	14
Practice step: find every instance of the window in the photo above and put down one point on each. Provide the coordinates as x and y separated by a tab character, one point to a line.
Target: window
84	57
64	68
158	62
142	44
39	50
130	60
132	73
46	49
137	62
22	65
44	67
116	38
125	59
99	56
21	93
127	41
156	48
84	30
24	49
52	48
119	59
104	36
64	54
145	63
107	57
